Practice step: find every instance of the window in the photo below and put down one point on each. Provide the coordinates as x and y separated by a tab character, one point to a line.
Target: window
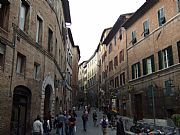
36	70
178	5
110	65
146	28
136	71
178	46
122	79
4	14
148	65
117	82
24	16
50	40
134	40
2	54
121	56
165	58
161	17
21	62
39	30
110	48
115	61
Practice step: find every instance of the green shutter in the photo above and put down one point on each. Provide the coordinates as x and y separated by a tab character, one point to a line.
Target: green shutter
132	71
160	59
168	88
159	18
144	66
139	69
150	91
178	46
152	62
170	56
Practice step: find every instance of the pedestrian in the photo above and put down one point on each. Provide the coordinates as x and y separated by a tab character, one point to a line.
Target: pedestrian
67	116
49	117
72	124
46	126
120	127
74	113
37	126
85	119
95	118
60	124
104	124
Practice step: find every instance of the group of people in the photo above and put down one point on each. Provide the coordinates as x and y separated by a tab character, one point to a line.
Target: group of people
64	123
104	122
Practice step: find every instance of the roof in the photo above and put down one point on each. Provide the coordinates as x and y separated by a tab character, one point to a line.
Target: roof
141	11
70	36
116	27
101	39
72	41
78	51
66	10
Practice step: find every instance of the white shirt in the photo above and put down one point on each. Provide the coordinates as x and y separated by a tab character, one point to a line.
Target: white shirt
38	127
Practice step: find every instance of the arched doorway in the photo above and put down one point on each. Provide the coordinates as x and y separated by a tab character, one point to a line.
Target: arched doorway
21	105
48	101
57	106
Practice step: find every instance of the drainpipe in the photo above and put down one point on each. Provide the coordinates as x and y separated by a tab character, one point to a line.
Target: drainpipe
13	59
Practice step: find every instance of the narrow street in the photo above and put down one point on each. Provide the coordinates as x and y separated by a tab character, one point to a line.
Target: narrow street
91	130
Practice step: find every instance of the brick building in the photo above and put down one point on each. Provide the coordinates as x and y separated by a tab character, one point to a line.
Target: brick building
140	61
153	58
92	85
32	61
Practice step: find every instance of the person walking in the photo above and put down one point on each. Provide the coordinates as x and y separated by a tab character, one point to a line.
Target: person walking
46	126
60	124
72	124
104	124
37	126
85	119
95	118
120	127
67	116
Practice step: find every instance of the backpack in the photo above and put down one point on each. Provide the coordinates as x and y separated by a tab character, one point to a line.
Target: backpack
84	117
104	123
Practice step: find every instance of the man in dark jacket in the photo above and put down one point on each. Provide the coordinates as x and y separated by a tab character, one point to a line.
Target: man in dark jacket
120	127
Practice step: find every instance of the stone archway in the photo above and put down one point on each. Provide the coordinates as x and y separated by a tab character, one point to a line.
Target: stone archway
47	98
57	106
21	106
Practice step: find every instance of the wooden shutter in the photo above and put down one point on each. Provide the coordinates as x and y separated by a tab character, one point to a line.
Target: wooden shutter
160	59
178	47
168	88
139	69
144	66
132	67
170	56
152	62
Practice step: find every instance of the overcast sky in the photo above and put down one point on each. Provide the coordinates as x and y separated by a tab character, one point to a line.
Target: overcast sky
90	17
